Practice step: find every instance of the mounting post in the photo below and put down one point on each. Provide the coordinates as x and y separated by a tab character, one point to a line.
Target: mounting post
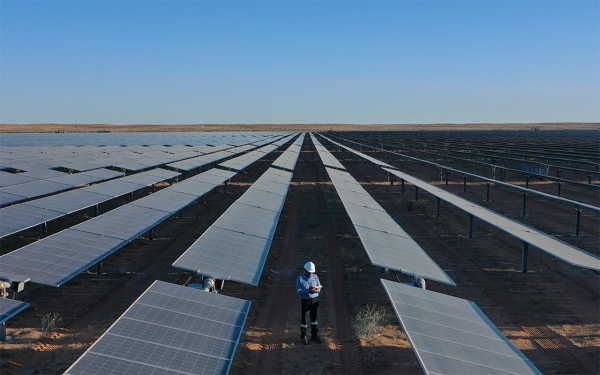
502	174
96	210
470	233
524	211
577	220
558	189
154	188
3	332
131	196
402	185
99	268
391	178
487	191
44	229
416	193
151	234
447	176
464	184
524	257
527	182
181	213
437	206
589	180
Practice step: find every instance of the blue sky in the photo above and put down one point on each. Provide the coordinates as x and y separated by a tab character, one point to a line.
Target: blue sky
188	62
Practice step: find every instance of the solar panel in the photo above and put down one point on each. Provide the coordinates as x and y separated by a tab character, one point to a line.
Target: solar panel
67	202
7	198
76	179
452	336
102	174
57	258
263	199
271	186
114	188
249	220
386	243
9	179
146	179
326	157
35	188
20	217
162	173
44	174
127	222
170	329
559	249
166	200
227	255
10	308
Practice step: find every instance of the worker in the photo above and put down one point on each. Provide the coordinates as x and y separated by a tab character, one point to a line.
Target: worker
308	287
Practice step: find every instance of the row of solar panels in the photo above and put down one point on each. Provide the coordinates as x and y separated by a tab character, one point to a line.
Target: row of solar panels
31	189
22	216
449	335
58	258
549	244
177	330
326	157
200	161
242	162
172	139
287	160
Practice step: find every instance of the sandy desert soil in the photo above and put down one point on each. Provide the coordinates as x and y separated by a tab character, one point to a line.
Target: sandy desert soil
96	128
550	313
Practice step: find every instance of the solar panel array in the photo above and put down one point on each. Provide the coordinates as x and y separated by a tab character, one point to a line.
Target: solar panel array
326	157
287	160
551	245
451	335
386	243
58	258
365	156
242	162
22	216
201	161
10	308
236	246
170	329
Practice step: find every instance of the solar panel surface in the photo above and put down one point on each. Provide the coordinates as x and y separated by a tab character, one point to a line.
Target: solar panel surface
562	250
452	336
170	329
10	308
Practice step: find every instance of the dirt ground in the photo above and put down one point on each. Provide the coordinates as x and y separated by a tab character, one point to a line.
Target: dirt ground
550	313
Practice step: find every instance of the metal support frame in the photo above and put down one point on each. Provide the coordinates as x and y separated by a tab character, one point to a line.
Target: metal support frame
524	210
558	188
391	178
151	234
3	332
589	180
44	229
181	213
99	268
470	232
416	193
464	184
131	197
437	206
402	185
154	188
96	210
527	182
447	176
502	175
577	220
524	257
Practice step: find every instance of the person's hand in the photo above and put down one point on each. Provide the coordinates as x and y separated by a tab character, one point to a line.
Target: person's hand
313	289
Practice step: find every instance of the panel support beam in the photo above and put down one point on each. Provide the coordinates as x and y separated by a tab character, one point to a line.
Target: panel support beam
524	257
470	232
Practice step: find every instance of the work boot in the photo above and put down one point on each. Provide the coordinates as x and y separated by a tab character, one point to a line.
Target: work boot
316	339
304	340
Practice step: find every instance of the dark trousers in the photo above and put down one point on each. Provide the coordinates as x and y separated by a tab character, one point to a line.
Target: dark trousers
309	306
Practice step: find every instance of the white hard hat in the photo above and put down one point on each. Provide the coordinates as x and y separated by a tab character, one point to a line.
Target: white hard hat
310	267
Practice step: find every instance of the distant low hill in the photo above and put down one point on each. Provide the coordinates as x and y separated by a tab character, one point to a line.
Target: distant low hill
98	128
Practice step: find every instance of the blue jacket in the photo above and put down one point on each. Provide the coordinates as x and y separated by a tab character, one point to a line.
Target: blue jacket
303	283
